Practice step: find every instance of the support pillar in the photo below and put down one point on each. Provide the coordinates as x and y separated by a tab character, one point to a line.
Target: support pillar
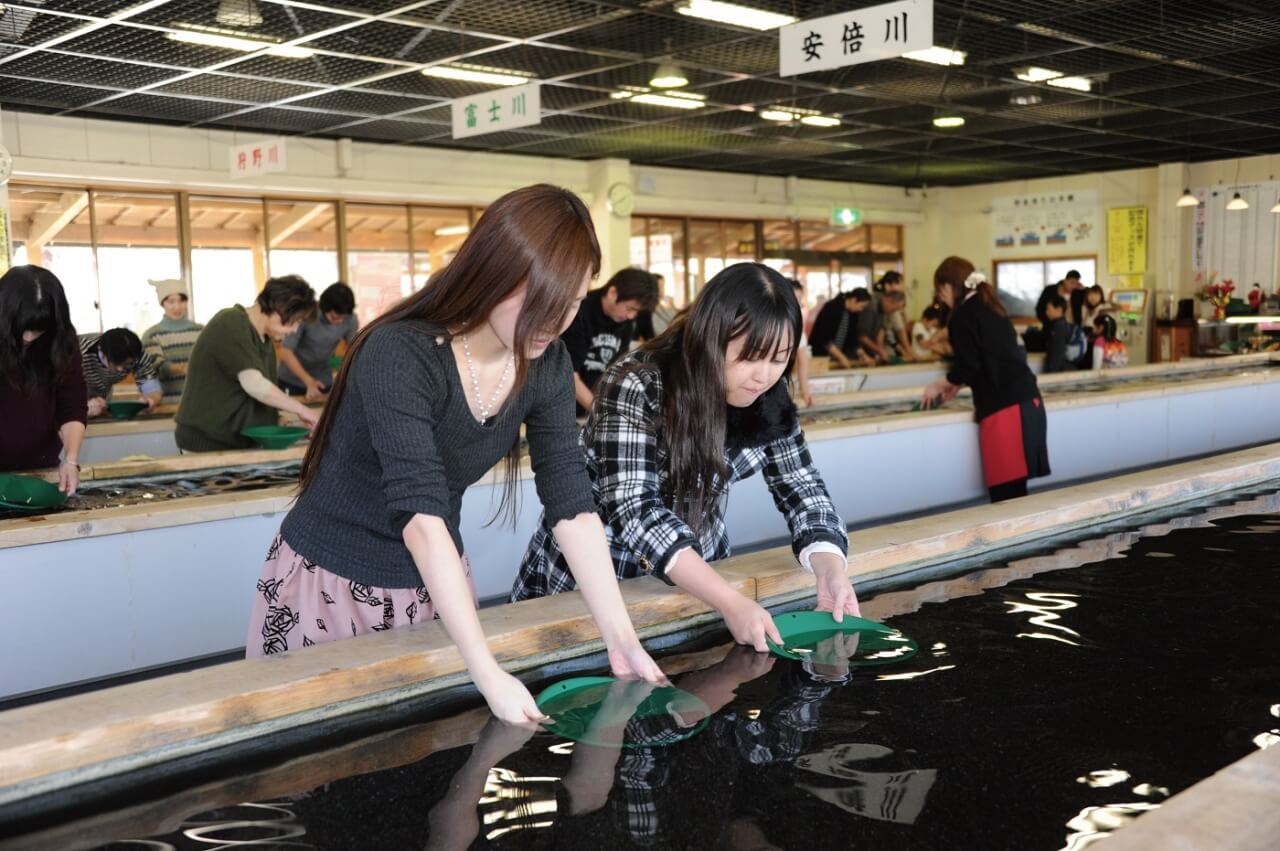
613	231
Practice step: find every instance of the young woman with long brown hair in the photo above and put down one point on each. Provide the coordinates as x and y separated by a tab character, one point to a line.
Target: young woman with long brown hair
1012	426
674	425
430	396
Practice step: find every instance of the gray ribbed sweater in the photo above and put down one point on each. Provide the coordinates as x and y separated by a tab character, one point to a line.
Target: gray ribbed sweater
404	442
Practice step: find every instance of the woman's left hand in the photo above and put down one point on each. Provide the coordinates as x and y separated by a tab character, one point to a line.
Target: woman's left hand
68	477
835	591
633	662
938	392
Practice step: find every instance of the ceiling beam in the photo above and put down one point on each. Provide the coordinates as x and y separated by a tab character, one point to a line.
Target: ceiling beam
55	216
284	226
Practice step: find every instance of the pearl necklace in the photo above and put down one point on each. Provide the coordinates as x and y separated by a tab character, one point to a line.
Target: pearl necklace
485	410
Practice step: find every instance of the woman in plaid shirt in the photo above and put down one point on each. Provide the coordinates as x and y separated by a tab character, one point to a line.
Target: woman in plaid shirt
663	447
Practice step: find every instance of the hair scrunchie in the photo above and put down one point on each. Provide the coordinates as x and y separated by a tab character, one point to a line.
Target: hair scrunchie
972	282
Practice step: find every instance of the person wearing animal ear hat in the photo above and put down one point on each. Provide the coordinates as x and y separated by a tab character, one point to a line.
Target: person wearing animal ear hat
171	339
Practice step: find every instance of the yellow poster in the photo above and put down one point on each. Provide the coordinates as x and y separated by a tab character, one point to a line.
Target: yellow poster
1126	240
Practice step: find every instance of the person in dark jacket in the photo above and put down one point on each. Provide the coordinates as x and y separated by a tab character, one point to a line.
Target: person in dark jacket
42	389
604	327
1056	332
1012	426
835	330
1070	289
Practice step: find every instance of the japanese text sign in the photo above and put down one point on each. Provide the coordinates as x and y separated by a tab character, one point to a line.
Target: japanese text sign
851	38
498	110
1127	240
256	158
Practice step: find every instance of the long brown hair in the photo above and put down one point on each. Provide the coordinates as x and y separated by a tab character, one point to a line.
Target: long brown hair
952	273
539	236
747	300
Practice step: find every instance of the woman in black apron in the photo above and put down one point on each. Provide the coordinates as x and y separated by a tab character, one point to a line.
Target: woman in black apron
1012	426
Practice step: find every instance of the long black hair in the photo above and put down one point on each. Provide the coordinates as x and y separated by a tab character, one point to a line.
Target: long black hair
32	299
748	301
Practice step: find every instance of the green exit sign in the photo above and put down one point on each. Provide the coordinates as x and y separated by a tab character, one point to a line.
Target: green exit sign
846	216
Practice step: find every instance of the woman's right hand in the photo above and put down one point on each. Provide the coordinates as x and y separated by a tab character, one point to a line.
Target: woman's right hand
309	417
938	392
68	477
508	699
750	624
97	406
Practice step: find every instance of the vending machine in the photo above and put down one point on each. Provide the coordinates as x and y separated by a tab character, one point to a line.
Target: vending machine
1133	322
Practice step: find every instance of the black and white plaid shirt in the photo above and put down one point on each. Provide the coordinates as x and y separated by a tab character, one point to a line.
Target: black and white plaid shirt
627	460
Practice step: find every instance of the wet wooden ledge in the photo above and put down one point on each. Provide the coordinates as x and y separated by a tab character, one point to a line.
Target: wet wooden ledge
49	746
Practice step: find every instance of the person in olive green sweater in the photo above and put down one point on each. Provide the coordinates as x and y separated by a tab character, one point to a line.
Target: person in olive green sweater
227	386
170	340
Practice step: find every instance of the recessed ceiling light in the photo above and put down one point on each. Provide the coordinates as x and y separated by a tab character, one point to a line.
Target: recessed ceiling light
949	121
790	114
938	55
671	100
1078	84
205	38
668	76
1036	75
452	230
732	13
479	74
1187	199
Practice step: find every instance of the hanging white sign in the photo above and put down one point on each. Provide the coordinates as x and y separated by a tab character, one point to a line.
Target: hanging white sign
498	110
256	158
851	38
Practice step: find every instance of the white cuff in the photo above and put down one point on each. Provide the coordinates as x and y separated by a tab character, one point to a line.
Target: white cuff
807	554
671	562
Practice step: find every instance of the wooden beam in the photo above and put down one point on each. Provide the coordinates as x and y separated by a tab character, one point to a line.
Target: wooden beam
50	221
286	225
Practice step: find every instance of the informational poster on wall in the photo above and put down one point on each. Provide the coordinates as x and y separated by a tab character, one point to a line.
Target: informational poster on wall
1127	241
1044	223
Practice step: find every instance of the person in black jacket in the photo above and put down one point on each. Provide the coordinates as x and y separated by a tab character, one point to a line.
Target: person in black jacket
1070	289
604	327
835	330
1012	426
1057	330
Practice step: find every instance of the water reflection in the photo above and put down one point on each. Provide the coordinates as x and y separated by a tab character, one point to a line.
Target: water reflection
1045	607
1097	823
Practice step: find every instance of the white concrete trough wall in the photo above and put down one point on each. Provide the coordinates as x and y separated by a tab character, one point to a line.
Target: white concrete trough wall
111	442
151	596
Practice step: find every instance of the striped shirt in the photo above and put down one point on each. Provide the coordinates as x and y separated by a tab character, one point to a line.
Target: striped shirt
170	343
99	379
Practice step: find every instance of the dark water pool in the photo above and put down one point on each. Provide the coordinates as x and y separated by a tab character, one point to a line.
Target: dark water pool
1054	698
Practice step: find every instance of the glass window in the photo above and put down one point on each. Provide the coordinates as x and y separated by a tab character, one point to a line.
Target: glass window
303	240
379	265
228	254
51	229
662	244
137	235
1020	282
779	242
437	233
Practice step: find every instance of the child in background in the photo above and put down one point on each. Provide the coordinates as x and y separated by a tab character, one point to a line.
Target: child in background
1095	302
1057	335
1109	351
925	338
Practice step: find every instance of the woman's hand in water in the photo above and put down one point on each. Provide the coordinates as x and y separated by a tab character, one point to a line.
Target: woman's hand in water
508	699
633	662
937	393
831	582
750	624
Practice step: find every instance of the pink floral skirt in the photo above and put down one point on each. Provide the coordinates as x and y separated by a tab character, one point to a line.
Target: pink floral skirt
299	604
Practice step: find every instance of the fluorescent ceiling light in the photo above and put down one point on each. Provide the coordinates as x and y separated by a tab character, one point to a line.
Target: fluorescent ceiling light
820	120
789	114
1036	75
1025	100
245	45
672	100
938	55
1188	200
452	230
1237	203
732	13
1078	84
668	76
949	121
479	74
777	115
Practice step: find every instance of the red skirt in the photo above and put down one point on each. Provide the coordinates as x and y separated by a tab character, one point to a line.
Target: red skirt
1014	442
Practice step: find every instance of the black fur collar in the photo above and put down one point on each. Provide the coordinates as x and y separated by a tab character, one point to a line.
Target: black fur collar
768	418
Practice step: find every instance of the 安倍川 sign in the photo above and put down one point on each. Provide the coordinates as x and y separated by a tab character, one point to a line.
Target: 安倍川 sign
851	38
498	110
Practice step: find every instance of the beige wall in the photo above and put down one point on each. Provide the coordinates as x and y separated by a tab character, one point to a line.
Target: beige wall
937	223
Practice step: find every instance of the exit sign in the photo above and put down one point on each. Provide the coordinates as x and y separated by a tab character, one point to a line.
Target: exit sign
846	216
